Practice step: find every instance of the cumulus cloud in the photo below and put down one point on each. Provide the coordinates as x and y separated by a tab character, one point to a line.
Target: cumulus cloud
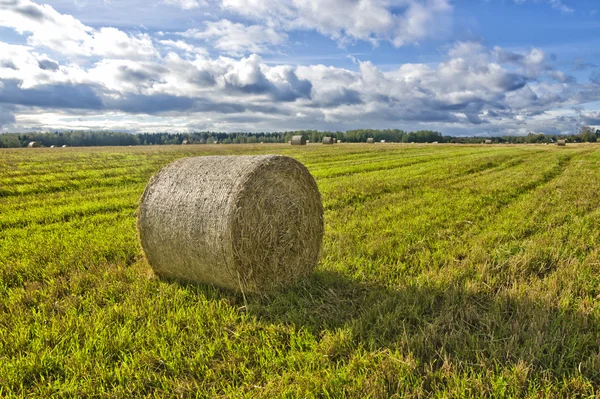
399	22
121	79
236	38
68	36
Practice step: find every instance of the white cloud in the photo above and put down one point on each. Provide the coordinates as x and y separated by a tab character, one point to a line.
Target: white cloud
68	36
556	4
134	79
186	4
236	38
344	20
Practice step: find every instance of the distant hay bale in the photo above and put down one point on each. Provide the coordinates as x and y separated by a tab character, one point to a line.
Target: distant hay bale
339	141
383	141
184	142
561	143
328	140
298	140
52	146
64	145
249	223
488	141
435	142
33	144
370	140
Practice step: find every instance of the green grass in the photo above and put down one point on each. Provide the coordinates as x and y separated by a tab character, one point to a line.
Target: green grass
446	271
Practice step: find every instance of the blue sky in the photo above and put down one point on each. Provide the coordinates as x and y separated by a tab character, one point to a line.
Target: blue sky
479	67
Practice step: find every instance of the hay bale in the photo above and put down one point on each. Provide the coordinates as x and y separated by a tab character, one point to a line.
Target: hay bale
185	142
383	141
33	144
52	146
64	145
328	140
339	141
561	143
488	141
249	223
298	140
370	140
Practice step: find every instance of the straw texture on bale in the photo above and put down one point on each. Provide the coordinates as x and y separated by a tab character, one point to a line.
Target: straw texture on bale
488	141
328	140
33	144
561	142
298	140
249	223
370	140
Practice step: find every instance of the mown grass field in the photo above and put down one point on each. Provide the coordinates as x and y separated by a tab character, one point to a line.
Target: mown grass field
446	271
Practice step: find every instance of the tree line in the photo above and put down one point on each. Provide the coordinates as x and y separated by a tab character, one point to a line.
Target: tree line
104	138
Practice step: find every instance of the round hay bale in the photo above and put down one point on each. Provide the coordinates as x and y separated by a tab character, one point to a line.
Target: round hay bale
185	142
370	140
33	144
328	140
64	145
298	140
561	143
52	146
488	141
248	223
383	141
339	141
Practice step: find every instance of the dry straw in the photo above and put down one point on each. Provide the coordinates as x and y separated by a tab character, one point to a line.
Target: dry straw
328	140
298	140
370	140
249	223
561	142
33	144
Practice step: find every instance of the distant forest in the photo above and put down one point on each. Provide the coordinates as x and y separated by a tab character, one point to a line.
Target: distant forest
103	138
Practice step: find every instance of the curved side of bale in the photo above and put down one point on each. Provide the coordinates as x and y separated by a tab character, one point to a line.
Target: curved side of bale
370	140
298	140
33	144
249	223
328	140
561	142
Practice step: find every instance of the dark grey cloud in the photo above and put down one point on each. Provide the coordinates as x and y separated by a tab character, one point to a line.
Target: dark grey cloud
592	118
8	64
146	73
336	97
6	116
30	12
48	65
505	57
50	96
511	81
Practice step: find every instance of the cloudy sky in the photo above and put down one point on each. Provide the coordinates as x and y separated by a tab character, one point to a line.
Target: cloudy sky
462	67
